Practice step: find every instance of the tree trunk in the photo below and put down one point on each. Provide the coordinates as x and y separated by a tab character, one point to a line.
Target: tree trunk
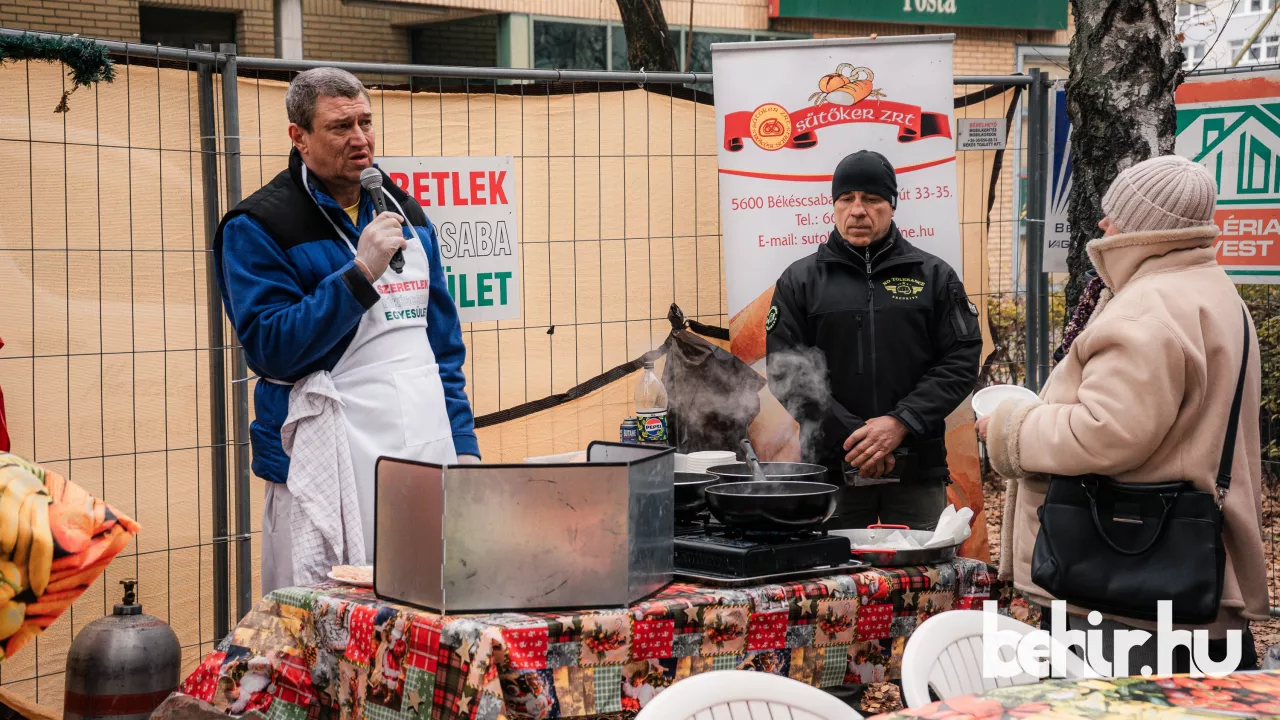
648	43
1125	64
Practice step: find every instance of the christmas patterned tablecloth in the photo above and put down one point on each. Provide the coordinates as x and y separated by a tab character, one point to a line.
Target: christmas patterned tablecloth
340	648
1246	694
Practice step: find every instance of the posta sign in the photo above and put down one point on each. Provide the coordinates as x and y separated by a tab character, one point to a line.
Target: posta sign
1025	14
1231	125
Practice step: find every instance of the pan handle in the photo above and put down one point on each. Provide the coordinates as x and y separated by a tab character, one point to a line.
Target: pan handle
887	527
753	461
889	552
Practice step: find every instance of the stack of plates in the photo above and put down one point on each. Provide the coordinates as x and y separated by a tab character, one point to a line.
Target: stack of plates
699	462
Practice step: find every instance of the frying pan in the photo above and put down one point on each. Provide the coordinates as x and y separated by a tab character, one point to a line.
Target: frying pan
771	497
772	505
741	472
753	469
690	492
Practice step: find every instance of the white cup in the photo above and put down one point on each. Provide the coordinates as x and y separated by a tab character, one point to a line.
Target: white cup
986	400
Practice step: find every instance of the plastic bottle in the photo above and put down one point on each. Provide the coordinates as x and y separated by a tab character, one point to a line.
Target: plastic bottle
651	407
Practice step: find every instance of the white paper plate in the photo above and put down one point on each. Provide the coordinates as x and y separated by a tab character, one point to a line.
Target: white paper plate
702	468
346	581
712	455
700	462
986	400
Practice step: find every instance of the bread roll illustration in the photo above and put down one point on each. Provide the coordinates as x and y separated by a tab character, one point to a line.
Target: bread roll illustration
774	434
746	329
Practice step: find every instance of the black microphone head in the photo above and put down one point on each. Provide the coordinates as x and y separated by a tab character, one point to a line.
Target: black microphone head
370	179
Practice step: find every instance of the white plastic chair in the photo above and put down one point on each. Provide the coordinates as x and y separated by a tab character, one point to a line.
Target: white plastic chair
945	654
744	695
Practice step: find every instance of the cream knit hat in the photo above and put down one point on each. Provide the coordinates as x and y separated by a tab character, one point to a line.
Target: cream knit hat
1163	193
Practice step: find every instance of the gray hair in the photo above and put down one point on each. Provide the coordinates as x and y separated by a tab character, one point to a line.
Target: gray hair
309	86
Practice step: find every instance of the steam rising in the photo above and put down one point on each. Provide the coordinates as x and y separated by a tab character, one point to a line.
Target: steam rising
719	402
798	379
714	395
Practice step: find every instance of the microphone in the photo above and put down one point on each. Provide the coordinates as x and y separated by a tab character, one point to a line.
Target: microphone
371	180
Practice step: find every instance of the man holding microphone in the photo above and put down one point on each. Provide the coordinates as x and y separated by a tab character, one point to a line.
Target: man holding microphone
328	319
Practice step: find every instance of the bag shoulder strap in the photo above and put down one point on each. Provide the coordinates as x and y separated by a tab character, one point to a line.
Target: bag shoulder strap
1229	443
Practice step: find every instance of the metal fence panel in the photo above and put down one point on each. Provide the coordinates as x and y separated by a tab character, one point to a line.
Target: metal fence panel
107	362
121	373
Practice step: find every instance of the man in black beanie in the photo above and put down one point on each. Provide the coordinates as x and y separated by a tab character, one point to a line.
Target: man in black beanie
893	332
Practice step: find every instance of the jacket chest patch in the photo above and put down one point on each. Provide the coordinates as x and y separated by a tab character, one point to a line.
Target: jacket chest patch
900	288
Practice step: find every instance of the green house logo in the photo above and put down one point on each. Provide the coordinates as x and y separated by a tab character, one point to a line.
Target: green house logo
1239	144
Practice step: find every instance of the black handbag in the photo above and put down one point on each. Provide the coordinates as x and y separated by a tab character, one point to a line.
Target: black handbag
1120	547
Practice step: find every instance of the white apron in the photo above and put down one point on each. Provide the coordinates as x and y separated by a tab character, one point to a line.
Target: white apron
392	400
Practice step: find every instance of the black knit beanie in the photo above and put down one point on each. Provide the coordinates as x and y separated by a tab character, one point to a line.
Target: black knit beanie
868	171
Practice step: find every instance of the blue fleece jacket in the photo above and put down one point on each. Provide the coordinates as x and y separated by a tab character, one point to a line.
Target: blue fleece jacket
295	314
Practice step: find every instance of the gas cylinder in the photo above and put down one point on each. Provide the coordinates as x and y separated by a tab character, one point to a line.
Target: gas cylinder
123	665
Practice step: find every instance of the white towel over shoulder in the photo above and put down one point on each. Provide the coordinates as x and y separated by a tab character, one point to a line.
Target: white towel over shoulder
325	519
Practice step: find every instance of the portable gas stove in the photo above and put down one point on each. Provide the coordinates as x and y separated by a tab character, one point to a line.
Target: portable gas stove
710	553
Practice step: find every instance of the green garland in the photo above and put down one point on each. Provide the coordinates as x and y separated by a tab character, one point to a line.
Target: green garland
87	62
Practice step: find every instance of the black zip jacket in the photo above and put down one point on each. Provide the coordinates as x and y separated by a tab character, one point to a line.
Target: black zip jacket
898	335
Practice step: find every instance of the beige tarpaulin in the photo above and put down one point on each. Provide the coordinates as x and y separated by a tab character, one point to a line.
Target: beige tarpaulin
617	218
106	362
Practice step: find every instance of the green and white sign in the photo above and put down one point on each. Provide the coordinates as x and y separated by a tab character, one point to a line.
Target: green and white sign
1021	14
471	201
1230	124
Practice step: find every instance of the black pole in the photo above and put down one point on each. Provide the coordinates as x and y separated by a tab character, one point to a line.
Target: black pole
1041	89
240	388
217	365
1035	231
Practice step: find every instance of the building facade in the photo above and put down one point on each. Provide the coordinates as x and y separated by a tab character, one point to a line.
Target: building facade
579	34
993	37
1223	33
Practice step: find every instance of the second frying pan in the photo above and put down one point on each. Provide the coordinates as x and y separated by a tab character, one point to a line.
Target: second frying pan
772	505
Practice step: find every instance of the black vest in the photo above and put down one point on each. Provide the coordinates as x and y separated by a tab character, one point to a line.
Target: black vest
285	210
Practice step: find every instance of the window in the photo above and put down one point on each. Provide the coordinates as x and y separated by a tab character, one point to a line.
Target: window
1193	10
585	46
1255	5
701	59
1193	55
185	28
618	49
470	42
1267	49
570	46
1236	46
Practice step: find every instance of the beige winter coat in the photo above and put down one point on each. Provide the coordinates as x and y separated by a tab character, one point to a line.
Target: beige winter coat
1143	396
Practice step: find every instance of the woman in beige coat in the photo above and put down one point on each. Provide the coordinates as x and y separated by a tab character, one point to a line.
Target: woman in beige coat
1143	393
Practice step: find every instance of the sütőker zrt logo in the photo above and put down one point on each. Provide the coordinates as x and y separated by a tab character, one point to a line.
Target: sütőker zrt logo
847	95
